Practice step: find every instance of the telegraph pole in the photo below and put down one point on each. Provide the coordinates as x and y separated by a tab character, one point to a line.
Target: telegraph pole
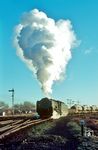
70	102
78	102
12	91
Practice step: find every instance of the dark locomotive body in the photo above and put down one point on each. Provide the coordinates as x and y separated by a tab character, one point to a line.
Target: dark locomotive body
46	108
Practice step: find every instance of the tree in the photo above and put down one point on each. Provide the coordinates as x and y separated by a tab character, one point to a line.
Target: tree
18	108
3	105
25	107
28	106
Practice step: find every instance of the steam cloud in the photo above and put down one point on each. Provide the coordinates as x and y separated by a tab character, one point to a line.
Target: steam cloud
45	46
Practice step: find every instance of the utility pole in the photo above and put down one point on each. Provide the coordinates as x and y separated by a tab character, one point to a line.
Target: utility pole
70	102
12	91
78	102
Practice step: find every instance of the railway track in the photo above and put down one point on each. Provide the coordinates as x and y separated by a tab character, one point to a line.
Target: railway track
9	127
90	115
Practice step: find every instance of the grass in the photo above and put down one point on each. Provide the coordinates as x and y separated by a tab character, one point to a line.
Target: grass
60	134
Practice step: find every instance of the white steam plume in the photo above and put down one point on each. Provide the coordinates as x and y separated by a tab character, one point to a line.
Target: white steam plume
45	46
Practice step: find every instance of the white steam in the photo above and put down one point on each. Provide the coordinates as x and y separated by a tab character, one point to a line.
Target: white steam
45	46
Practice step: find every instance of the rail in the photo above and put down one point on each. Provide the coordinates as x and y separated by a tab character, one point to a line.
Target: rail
17	126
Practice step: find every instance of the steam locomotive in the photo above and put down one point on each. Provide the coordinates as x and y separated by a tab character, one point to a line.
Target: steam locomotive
47	108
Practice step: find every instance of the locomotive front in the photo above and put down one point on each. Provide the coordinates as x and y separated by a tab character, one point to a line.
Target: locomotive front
44	108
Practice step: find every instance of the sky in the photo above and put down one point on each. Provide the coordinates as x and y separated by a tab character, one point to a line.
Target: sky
81	81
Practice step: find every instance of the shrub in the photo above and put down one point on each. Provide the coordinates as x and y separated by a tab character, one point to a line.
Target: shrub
74	128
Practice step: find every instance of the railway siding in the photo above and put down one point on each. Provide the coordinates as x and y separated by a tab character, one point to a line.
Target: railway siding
19	125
